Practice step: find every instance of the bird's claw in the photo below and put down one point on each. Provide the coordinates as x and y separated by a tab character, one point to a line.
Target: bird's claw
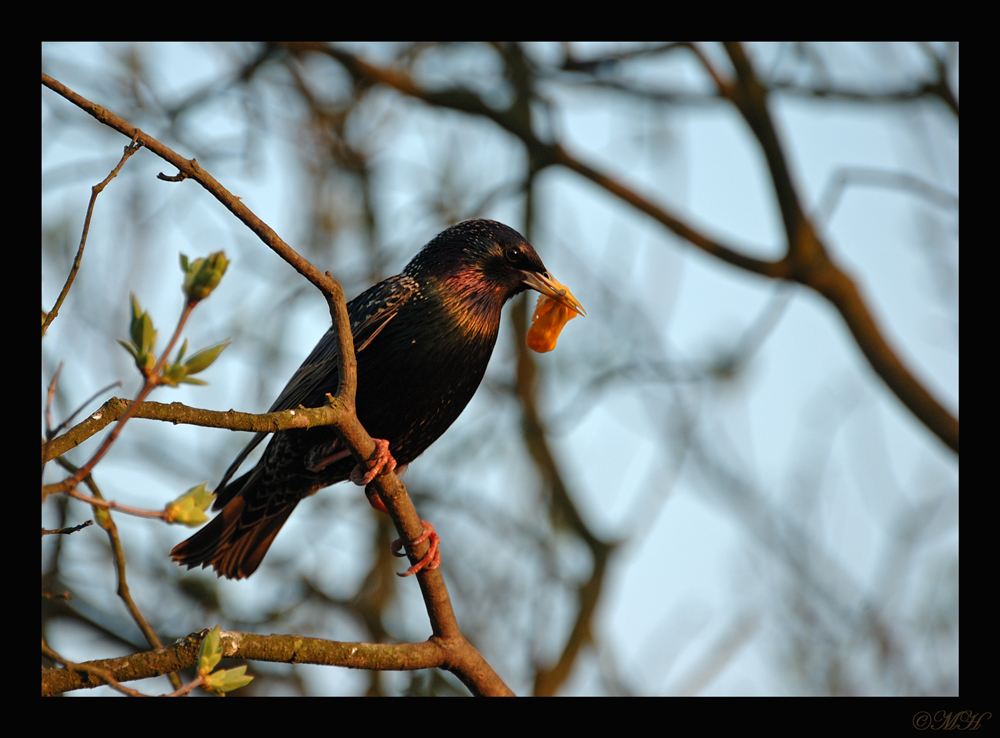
383	462
430	560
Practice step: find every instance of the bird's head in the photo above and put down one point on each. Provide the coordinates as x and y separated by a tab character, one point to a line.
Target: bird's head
477	265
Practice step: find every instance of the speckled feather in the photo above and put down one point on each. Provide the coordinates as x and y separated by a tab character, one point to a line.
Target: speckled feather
423	340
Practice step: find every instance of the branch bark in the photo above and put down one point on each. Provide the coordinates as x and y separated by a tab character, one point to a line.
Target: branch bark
452	655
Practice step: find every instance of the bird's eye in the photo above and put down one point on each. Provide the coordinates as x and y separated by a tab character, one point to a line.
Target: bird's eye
513	253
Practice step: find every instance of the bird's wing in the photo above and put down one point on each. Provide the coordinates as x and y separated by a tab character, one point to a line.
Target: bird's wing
370	312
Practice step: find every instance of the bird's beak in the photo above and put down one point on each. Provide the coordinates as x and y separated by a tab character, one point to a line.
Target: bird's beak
550	287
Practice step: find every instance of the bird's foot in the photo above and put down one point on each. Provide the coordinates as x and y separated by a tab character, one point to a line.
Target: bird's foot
430	560
383	462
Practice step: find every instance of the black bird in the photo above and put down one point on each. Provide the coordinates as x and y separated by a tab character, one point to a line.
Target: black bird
423	339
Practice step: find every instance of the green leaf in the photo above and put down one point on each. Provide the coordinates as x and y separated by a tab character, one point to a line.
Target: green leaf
226	680
130	348
211	651
204	358
143	338
173	375
141	329
135	324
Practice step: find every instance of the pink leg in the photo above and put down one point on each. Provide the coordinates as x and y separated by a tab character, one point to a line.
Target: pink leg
431	559
383	460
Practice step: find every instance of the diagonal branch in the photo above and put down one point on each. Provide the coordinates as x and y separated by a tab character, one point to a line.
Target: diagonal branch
809	262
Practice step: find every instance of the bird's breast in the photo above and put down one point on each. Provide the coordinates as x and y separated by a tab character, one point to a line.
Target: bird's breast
417	377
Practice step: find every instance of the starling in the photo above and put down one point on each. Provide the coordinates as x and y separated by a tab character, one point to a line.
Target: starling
423	339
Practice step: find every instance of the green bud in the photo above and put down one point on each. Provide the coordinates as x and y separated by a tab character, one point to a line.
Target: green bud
201	276
189	508
224	680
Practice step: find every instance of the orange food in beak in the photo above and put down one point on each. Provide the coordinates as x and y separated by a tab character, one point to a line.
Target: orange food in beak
547	323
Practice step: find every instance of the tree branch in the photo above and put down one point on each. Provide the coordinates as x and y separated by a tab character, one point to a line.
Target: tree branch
285	649
808	260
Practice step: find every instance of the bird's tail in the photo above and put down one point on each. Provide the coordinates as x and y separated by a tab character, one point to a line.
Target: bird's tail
234	541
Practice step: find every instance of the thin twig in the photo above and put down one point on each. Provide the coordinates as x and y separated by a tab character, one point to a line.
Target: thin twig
94	192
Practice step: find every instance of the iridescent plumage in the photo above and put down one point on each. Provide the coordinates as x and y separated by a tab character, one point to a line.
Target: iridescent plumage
423	340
